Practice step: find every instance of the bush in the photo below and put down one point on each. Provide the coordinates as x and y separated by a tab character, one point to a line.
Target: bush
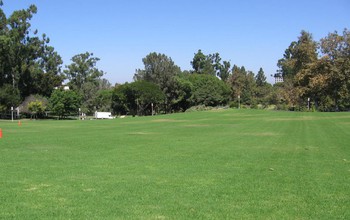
233	104
283	107
199	108
34	105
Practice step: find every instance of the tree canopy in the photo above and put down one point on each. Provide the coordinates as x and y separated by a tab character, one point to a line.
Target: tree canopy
319	73
315	74
28	64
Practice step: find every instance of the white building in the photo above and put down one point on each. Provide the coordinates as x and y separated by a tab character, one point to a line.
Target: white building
278	79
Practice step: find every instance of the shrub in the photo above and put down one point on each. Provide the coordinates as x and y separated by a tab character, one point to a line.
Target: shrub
199	108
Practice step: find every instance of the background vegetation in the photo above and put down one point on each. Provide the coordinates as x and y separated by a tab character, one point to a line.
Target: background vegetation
316	75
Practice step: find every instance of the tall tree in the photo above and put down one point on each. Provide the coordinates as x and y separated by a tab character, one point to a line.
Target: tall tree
161	70
298	55
18	42
260	78
50	74
85	79
210	64
297	58
225	70
199	61
27	62
264	92
243	85
331	74
82	70
236	81
326	80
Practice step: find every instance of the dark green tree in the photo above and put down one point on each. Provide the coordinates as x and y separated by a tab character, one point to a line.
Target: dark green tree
120	104
27	62
225	70
147	94
182	94
64	103
137	98
210	64
161	70
9	97
103	100
263	91
208	90
260	78
199	61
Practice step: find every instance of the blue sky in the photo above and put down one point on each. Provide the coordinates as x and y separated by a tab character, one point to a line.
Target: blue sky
248	33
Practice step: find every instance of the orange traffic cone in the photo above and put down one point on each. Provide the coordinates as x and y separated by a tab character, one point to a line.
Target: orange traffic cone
0	133
19	123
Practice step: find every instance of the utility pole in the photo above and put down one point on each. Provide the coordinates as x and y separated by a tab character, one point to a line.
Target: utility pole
12	114
152	108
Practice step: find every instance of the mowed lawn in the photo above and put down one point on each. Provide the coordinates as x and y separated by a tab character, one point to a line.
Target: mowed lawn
227	164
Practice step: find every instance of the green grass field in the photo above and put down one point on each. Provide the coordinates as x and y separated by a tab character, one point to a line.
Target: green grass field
228	164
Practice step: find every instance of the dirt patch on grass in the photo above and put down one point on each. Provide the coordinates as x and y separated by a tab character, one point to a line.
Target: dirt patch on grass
196	125
88	190
260	134
141	133
243	115
164	120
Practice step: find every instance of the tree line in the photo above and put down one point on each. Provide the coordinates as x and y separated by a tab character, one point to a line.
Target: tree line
315	76
317	71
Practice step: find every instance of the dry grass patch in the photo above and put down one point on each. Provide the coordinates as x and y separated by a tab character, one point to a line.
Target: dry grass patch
260	134
141	133
37	187
164	120
196	125
243	115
